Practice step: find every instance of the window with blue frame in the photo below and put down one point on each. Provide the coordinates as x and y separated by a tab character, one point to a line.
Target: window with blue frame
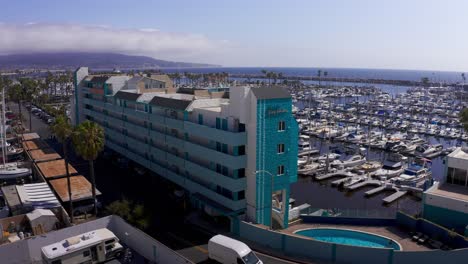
218	123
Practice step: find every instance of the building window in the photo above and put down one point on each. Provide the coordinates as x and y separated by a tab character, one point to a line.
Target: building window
225	124
280	170
457	176
225	148
218	123
241	150
241	127
225	171
280	148
281	126
241	195
86	253
200	119
241	173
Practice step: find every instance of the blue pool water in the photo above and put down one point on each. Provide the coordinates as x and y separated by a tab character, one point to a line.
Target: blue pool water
349	237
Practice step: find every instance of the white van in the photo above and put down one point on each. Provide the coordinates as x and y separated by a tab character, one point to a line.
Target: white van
230	251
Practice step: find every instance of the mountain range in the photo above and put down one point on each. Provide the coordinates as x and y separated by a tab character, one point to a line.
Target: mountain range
72	60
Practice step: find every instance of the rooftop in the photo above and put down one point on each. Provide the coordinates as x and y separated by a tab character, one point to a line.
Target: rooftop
34	144
76	243
37	195
99	79
55	168
80	188
458	153
29	136
453	191
44	154
272	92
171	102
129	95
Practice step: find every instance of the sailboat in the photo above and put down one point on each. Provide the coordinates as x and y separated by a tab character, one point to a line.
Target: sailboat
9	170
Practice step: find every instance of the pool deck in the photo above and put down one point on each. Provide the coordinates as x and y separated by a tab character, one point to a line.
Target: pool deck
388	231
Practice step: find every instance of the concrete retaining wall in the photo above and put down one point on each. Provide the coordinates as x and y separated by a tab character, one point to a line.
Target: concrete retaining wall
301	247
29	250
347	220
432	230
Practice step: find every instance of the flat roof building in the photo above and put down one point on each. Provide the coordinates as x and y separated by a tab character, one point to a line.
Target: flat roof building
231	154
446	202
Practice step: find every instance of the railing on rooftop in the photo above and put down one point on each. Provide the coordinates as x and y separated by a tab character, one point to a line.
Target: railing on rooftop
389	213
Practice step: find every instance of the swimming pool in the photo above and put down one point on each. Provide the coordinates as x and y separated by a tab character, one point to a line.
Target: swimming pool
349	237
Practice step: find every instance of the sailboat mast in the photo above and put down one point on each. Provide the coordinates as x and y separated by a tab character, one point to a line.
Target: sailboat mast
3	129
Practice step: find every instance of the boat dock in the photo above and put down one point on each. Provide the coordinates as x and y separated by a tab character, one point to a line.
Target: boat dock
339	181
364	183
394	197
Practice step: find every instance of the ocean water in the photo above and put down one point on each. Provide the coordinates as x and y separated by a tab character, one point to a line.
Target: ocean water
409	75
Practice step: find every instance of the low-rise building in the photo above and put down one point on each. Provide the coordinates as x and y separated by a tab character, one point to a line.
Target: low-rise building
446	202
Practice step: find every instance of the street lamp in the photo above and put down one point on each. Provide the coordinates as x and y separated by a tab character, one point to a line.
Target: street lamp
272	190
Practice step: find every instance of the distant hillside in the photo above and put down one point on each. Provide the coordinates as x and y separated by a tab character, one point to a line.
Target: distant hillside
71	60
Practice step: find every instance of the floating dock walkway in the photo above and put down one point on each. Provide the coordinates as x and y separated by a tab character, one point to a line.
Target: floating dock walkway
394	197
364	183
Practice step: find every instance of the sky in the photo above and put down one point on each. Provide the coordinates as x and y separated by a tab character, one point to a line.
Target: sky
388	34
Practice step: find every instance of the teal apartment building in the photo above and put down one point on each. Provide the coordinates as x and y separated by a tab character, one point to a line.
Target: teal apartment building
234	153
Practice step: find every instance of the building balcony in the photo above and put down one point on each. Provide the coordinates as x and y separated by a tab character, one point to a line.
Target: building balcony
233	162
227	137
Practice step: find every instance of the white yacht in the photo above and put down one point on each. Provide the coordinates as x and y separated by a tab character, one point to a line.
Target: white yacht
428	151
393	166
350	162
331	157
412	175
9	170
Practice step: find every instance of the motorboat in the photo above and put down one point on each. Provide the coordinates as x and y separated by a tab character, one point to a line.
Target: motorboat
310	168
393	166
369	166
412	175
353	180
428	151
352	161
12	171
330	156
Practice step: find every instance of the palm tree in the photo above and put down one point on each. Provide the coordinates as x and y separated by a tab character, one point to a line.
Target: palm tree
29	89
267	75
88	140
425	81
15	94
325	74
63	131
319	74
274	76
464	119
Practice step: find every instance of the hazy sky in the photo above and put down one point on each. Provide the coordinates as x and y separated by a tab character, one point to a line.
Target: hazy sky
394	34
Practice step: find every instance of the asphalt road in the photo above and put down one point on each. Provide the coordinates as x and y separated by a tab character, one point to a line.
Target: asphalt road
167	224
